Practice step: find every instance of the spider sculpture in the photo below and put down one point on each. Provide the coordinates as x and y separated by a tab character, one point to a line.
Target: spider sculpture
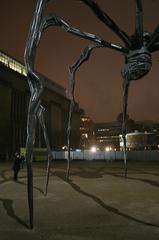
136	50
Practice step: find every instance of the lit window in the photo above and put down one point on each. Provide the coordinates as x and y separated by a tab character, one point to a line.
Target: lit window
12	64
86	135
108	149
24	72
3	60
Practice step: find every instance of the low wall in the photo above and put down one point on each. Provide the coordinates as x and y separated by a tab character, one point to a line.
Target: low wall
109	156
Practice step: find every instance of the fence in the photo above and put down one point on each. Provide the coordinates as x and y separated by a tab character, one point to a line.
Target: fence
109	156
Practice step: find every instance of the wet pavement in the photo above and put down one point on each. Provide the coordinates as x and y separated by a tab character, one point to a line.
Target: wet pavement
98	203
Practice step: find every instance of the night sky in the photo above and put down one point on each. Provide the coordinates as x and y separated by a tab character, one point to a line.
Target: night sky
99	82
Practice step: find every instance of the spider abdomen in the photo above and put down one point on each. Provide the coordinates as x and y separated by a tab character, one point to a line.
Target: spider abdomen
138	64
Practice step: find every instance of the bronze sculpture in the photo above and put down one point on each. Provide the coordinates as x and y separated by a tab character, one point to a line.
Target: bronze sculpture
35	110
137	51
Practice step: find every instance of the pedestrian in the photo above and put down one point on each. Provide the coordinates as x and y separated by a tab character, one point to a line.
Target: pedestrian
16	166
22	159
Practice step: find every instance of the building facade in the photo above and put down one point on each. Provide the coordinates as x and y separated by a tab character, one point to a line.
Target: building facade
14	100
139	141
87	132
140	136
107	135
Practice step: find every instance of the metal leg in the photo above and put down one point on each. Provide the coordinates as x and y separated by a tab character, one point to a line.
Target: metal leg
154	38
36	89
139	22
72	70
102	16
125	103
41	112
69	138
31	127
54	20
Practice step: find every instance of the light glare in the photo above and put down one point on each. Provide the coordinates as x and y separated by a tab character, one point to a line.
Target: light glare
93	149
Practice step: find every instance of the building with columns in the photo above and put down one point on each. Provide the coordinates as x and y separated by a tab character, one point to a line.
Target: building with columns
14	100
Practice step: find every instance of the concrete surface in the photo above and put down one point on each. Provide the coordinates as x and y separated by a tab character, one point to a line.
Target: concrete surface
98	203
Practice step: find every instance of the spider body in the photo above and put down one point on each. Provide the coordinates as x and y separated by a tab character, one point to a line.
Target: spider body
138	60
138	64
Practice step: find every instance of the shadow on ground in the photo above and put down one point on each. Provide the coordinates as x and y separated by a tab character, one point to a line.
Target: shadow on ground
96	199
88	173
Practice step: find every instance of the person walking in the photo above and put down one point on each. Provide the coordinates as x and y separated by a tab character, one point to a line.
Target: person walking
22	159
16	166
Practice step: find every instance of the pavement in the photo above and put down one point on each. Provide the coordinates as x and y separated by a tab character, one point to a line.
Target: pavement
98	203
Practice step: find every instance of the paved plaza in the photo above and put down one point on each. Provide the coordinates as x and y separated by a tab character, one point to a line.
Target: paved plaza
98	203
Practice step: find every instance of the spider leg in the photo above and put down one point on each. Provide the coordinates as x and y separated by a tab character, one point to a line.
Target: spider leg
154	38
36	89
125	103
108	21
54	20
40	115
72	71
139	22
154	48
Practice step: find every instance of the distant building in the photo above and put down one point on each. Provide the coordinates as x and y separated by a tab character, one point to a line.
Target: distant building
149	126
140	135
14	99
107	135
87	132
139	141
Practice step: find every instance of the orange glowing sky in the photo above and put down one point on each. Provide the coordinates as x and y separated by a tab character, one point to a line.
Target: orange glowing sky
99	82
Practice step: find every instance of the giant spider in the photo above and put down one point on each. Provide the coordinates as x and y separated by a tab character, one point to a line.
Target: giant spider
137	51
